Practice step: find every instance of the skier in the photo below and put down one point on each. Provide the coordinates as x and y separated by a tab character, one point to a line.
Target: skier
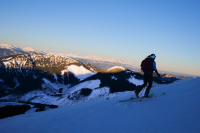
148	65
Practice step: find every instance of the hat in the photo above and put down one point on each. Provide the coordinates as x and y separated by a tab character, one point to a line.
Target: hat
153	56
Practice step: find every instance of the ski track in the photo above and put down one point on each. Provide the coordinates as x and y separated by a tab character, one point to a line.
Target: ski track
177	111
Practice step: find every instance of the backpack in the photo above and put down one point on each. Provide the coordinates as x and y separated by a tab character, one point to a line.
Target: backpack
145	66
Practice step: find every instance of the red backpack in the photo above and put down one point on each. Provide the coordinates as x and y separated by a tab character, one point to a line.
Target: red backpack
145	66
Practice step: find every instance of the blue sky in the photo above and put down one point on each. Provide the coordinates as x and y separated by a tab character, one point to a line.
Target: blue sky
120	29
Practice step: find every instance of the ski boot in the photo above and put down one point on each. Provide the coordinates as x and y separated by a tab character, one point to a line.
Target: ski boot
136	93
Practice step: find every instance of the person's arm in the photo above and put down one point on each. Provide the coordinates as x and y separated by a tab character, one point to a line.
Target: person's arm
155	69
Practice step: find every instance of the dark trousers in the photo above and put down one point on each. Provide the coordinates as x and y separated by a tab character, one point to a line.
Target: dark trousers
148	78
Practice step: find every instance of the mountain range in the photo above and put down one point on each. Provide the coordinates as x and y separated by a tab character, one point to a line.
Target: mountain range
62	81
104	63
6	49
32	83
55	79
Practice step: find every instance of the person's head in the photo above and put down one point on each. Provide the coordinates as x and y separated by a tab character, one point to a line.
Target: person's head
152	56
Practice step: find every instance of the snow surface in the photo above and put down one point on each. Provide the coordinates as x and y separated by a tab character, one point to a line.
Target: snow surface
7	58
79	71
104	91
17	83
2	104
116	67
113	77
6	46
56	86
41	97
135	81
92	84
29	49
175	112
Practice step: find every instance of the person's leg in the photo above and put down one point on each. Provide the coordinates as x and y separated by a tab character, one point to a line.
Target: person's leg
144	84
149	81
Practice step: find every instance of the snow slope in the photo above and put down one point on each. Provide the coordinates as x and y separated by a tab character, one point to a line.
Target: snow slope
177	111
135	81
79	71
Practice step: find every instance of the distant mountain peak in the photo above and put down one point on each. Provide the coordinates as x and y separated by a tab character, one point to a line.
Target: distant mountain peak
106	59
6	46
115	69
168	76
6	50
94	58
29	49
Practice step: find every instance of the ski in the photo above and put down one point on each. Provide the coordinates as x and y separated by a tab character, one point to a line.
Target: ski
141	98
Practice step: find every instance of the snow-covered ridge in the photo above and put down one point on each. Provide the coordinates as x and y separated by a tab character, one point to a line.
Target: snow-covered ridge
6	46
17	50
42	60
116	67
79	71
168	76
29	49
62	63
93	58
106	59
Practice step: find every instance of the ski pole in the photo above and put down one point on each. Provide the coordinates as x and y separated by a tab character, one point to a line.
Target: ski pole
154	81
